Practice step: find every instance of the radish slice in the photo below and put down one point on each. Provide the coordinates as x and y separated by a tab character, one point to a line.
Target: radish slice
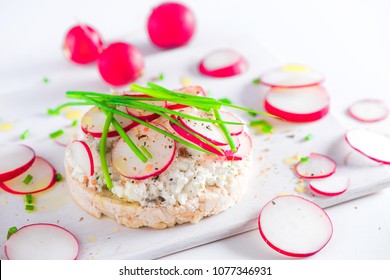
223	63
294	226
15	159
244	148
230	117
292	76
66	137
369	110
317	166
208	130
43	177
93	122
144	114
372	144
193	90
83	156
42	242
331	186
161	148
298	105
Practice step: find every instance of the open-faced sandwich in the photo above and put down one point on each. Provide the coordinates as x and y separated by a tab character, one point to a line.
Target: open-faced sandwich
154	157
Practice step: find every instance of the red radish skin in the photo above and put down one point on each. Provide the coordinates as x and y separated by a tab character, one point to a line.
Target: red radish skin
43	174
369	110
83	156
374	145
144	114
171	25
290	223
120	64
82	44
93	121
299	105
292	76
16	159
331	186
324	167
193	90
161	147
36	241
222	64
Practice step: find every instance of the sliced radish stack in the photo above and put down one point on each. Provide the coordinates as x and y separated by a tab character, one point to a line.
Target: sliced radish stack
83	156
42	242
369	110
65	138
161	149
304	104
15	159
331	186
294	226
93	122
317	166
373	145
43	177
292	76
230	117
244	148
223	63
193	90
144	114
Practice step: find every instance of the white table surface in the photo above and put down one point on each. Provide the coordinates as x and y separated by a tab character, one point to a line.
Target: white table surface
349	41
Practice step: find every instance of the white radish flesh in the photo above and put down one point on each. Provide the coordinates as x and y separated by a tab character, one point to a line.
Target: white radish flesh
244	148
373	145
210	131
43	177
230	117
305	104
82	154
15	159
193	90
145	114
223	63
369	110
42	242
317	166
93	122
294	226
292	76
65	138
161	148
331	186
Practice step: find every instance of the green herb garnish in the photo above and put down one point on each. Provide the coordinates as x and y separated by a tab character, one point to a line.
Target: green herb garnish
29	207
252	114
56	134
74	123
11	231
308	137
161	76
103	157
256	81
304	159
25	134
45	80
262	126
225	100
146	152
29	198
58	177
28	179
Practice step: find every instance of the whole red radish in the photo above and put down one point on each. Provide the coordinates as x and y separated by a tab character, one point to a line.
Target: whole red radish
82	44
171	25
120	63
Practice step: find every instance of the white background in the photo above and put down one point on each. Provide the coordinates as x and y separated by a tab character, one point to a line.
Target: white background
349	41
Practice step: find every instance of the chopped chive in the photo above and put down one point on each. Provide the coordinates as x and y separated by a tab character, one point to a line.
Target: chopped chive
25	134
262	125
226	132
53	112
308	137
252	114
225	100
74	123
29	207
103	153
58	177
161	76
304	159
146	152
256	81
56	134
28	179
11	231
29	198
45	80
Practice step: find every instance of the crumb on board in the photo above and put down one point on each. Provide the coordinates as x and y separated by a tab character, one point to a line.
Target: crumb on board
117	229
186	81
73	115
300	189
6	126
91	239
294	159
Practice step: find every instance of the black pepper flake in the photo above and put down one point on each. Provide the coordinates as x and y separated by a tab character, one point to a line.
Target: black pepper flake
273	202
